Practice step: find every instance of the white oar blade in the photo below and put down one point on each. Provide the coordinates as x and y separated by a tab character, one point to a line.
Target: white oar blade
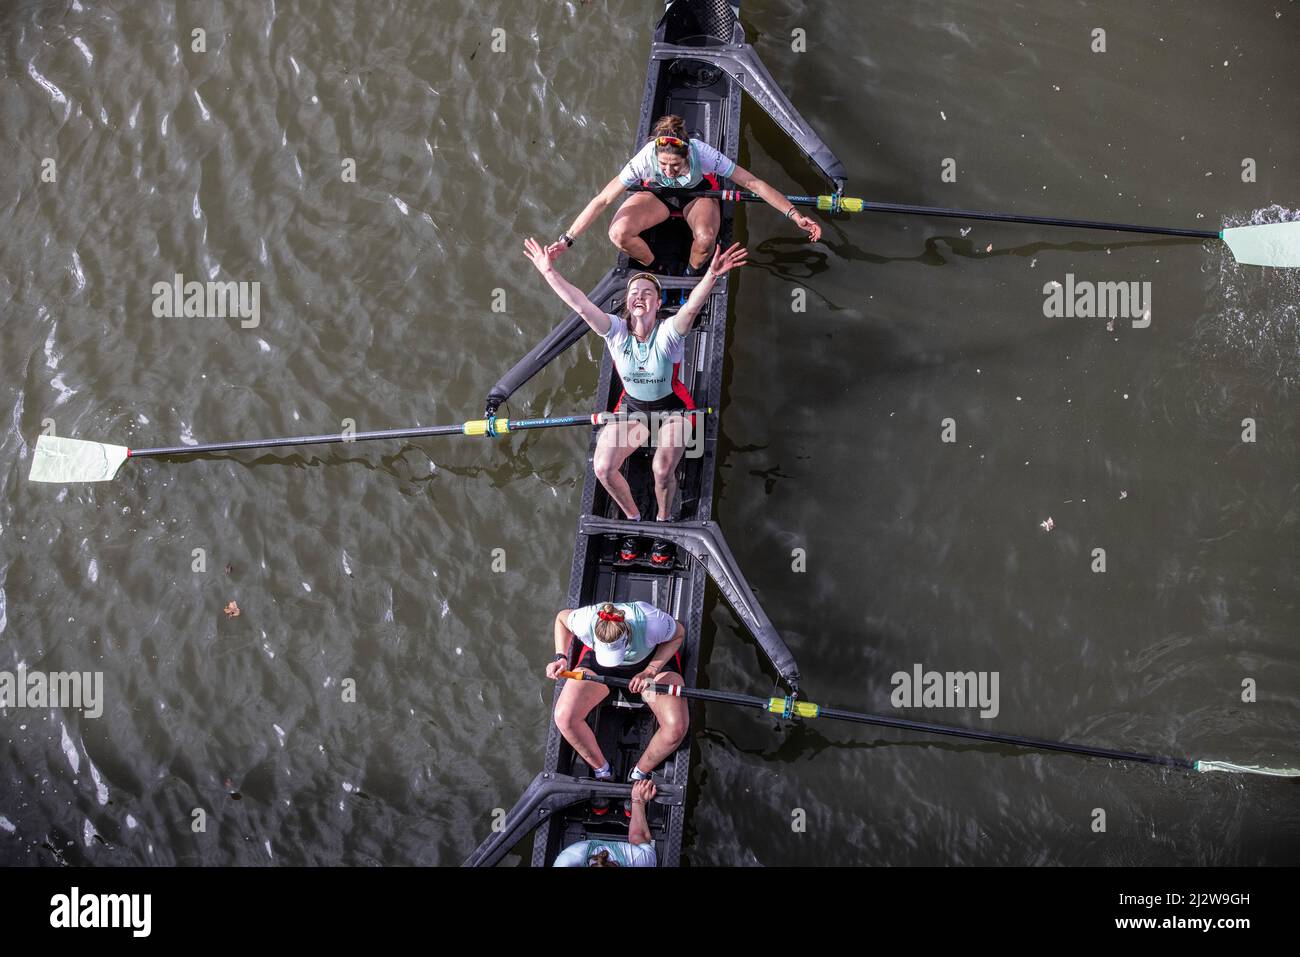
1247	769
1273	244
72	460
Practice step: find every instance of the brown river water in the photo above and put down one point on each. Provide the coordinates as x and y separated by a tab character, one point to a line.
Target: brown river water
371	566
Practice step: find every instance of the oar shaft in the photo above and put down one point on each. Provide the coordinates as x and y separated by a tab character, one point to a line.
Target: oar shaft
325	439
1015	740
473	427
1035	220
806	709
853	205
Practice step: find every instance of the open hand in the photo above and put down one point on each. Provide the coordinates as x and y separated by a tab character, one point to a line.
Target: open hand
808	225
543	257
723	261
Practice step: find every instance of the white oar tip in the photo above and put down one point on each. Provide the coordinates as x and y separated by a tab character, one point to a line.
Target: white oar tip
1272	244
62	461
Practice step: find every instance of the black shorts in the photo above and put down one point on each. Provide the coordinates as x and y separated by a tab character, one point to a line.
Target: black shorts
676	199
672	402
587	659
679	400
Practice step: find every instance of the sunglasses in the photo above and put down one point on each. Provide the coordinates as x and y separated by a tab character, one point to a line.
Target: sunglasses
645	275
669	141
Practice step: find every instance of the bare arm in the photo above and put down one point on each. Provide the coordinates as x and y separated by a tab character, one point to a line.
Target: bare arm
574	298
563	638
664	652
596	208
722	262
638	832
747	180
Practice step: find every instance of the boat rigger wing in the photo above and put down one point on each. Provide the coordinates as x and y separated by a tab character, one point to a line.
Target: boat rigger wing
741	62
705	541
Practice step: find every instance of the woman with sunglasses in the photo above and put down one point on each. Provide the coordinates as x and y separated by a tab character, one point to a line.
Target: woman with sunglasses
646	352
678	164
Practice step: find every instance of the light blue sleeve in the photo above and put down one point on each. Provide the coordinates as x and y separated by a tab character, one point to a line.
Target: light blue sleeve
642	855
617	331
575	855
639	167
580	623
659	625
711	161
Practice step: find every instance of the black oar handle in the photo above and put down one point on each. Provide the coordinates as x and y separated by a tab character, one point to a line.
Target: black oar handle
674	691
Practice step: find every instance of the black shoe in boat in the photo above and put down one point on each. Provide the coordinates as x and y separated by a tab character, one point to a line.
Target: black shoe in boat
630	550
662	553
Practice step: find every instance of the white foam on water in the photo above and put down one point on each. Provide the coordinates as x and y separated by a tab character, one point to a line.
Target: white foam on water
70	749
101	789
1256	323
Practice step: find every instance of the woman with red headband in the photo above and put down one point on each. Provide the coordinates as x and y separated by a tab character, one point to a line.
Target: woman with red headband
645	352
632	640
677	164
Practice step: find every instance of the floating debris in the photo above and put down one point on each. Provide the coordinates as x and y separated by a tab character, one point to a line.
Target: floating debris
232	610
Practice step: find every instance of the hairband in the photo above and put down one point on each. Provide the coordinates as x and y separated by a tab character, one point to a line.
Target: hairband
610	615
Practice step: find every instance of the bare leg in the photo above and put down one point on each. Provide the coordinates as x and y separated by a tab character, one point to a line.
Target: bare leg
617	441
576	701
673	721
673	436
637	214
704	217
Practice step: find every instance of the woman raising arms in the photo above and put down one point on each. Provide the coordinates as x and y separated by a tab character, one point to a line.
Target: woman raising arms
645	350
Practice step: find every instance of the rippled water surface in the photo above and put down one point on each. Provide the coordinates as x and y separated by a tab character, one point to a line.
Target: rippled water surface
372	565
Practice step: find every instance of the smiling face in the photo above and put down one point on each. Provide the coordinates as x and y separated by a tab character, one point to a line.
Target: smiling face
642	298
671	165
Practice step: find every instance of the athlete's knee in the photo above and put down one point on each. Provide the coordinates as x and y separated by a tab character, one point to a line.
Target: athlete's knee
704	235
605	467
567	718
665	470
674	724
621	233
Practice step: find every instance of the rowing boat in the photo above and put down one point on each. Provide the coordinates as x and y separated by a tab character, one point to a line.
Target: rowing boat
699	66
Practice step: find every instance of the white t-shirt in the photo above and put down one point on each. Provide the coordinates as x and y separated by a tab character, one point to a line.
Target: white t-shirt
645	368
704	159
627	855
649	626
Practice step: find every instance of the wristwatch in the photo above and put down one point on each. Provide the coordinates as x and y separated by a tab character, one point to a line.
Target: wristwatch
560	657
566	239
